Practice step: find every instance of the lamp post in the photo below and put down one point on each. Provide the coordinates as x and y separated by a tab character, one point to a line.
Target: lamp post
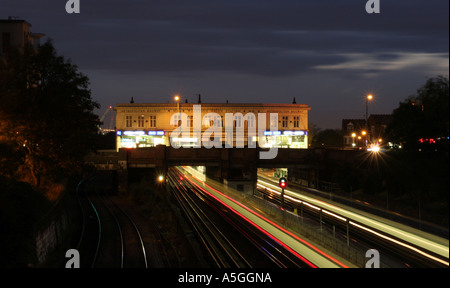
368	98
177	98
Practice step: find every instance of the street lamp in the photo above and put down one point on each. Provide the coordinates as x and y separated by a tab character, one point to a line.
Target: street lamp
369	97
177	98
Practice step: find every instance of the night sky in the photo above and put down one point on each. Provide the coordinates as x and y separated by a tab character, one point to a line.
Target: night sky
326	53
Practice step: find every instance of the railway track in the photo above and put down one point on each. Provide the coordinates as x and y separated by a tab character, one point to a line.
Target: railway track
113	235
227	238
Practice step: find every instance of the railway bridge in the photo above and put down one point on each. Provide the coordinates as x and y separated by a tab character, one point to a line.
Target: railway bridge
236	167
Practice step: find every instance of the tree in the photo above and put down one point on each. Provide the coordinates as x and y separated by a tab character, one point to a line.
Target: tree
328	138
422	116
46	113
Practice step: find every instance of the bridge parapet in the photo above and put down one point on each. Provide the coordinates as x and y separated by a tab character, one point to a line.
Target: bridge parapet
166	156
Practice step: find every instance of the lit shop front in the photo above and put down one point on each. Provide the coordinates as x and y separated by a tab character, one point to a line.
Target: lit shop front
286	139
279	139
140	139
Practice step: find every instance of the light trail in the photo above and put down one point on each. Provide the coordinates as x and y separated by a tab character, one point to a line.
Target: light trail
346	215
290	241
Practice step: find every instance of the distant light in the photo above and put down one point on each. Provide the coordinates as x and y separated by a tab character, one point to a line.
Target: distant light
374	148
160	178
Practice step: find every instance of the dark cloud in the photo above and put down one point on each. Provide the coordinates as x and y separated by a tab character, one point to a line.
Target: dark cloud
252	36
286	43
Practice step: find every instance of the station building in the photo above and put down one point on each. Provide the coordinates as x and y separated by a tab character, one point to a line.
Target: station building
141	125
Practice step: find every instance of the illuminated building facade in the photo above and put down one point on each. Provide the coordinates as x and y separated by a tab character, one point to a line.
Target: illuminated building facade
141	125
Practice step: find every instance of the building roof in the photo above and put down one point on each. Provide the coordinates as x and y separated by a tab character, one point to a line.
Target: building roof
10	20
262	105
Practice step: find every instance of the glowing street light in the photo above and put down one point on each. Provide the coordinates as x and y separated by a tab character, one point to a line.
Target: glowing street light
160	178
177	98
369	97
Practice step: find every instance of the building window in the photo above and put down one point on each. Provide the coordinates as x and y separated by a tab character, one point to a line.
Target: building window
350	127
129	121
285	121
190	121
153	121
141	121
251	121
273	120
296	121
237	121
207	121
218	121
177	120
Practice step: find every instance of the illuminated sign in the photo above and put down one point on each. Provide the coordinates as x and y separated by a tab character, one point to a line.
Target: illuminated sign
156	133
286	133
133	133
